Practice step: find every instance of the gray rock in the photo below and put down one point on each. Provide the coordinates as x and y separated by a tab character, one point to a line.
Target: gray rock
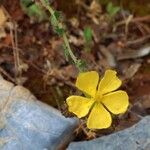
135	138
27	124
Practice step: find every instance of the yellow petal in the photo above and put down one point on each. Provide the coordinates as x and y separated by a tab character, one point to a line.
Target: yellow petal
99	117
79	105
116	102
87	82
109	82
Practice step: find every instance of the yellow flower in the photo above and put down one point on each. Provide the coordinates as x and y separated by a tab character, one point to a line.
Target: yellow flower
102	99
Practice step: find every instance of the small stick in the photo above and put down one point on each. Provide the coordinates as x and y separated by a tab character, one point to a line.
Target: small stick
6	74
138	41
138	19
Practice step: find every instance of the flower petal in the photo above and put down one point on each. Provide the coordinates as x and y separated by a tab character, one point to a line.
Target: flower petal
99	117
109	82
116	102
79	105
87	82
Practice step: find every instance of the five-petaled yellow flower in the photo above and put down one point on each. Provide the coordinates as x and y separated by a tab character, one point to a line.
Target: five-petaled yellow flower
102	99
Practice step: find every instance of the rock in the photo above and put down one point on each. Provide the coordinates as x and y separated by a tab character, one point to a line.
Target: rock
28	124
136	137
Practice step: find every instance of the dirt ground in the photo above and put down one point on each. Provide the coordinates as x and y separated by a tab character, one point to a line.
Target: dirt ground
31	54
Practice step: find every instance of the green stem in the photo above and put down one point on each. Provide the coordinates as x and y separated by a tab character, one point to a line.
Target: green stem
64	36
69	49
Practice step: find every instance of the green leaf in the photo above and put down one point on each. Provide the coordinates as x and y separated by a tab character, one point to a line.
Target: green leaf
47	2
33	10
111	9
57	15
87	34
59	31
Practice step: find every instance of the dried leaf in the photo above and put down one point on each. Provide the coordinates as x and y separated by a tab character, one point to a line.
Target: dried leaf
132	54
3	17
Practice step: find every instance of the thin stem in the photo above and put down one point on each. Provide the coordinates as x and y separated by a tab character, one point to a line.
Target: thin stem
69	48
64	36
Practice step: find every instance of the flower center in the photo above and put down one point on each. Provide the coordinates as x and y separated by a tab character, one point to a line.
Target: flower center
98	97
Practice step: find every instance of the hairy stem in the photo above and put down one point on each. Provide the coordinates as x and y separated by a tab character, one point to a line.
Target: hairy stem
64	35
